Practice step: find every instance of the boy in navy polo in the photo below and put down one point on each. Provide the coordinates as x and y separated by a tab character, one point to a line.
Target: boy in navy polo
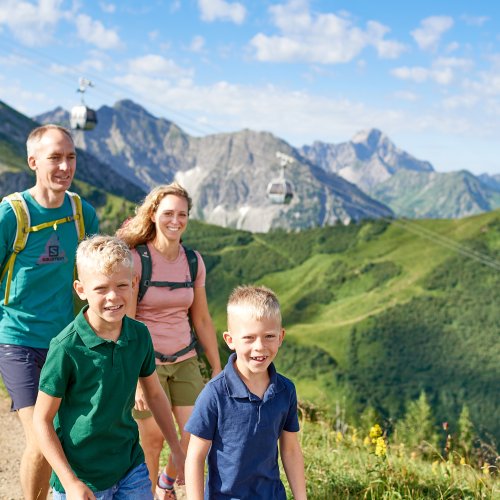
88	384
242	413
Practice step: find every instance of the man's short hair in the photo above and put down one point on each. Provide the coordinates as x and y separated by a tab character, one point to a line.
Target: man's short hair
103	254
259	301
36	135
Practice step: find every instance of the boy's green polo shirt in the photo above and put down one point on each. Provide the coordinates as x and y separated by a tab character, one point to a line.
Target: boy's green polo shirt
96	380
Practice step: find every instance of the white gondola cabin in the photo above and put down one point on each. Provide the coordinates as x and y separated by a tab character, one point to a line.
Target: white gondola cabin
280	190
82	117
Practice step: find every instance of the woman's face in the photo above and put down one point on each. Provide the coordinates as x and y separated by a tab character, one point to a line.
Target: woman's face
171	217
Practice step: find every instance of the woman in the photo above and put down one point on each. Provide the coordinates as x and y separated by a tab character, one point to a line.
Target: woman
159	224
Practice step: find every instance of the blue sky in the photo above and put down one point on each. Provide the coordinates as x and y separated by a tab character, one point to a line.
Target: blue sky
425	73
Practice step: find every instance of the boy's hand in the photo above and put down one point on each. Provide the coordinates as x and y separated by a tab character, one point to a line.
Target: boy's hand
179	458
79	491
140	400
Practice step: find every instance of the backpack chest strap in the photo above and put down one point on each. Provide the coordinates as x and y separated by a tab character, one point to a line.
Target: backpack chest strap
54	223
173	285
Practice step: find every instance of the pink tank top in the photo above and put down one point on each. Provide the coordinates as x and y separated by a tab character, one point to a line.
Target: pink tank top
165	311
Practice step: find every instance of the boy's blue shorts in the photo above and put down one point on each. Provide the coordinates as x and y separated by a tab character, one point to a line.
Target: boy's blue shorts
20	367
135	485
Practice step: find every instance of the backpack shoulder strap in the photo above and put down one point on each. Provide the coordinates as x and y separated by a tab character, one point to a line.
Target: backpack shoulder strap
192	259
76	205
146	271
23	222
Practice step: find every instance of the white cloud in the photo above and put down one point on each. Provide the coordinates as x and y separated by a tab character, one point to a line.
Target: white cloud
175	6
213	10
430	31
405	95
197	44
32	24
443	71
460	101
452	47
320	38
95	33
475	20
156	65
108	8
154	35
416	73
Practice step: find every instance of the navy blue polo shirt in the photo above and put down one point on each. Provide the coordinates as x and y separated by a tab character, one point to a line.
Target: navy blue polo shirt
244	430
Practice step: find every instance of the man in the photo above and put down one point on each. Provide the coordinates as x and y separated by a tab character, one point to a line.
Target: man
36	299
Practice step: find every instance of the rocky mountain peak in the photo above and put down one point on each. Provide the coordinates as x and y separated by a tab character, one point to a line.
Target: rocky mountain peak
371	137
127	105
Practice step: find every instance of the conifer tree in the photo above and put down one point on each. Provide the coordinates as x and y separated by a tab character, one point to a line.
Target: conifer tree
465	432
416	430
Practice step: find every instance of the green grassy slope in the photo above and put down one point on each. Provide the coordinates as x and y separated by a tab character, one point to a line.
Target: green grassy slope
377	312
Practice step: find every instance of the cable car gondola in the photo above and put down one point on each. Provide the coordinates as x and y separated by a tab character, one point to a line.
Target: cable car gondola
280	190
83	117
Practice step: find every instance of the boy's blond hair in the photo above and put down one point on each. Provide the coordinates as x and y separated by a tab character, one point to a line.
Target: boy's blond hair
259	301
103	254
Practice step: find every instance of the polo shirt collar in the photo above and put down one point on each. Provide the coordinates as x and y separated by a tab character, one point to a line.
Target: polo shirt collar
89	337
237	388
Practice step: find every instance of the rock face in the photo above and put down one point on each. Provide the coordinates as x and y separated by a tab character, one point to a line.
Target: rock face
368	159
410	187
226	174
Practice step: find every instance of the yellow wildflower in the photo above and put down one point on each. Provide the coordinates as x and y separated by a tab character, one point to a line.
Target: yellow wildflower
354	437
375	432
462	461
339	437
380	447
367	441
486	469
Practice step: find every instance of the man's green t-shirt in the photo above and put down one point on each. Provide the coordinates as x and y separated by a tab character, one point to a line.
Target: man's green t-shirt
41	292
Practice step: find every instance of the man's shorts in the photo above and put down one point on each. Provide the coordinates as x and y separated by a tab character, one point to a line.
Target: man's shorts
182	382
20	367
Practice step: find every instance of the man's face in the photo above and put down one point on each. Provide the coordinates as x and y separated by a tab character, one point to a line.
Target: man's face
54	161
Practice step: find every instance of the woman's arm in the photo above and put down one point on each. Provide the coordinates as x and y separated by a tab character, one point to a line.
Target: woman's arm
195	467
45	410
205	329
293	463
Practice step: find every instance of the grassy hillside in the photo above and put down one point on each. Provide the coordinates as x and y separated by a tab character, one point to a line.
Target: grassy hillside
377	312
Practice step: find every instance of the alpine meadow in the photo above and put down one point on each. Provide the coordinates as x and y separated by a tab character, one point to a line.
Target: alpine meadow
392	335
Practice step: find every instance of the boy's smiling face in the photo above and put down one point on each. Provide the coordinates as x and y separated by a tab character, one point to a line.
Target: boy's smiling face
256	341
108	295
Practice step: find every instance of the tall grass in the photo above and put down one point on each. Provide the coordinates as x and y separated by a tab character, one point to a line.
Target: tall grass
346	466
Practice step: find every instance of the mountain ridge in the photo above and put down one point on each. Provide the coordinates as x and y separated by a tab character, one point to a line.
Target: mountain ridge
149	150
226	174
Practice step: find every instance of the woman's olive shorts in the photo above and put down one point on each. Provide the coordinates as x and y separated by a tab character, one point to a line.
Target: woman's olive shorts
182	382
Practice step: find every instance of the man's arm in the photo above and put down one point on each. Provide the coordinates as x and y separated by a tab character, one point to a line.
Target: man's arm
293	463
159	405
195	467
43	416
